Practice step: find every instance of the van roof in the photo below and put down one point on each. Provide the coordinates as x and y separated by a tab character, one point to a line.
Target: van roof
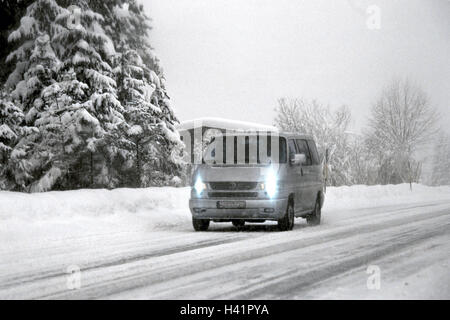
285	134
296	135
220	123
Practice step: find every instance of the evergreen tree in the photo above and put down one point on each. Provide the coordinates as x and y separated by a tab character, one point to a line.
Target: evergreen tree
35	68
140	114
93	107
11	11
14	171
85	50
10	119
33	59
142	93
67	130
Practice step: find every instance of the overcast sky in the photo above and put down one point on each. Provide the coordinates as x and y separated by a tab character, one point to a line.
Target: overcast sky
235	58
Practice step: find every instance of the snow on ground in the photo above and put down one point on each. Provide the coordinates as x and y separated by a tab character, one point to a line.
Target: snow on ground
168	206
362	196
132	233
419	272
28	220
159	206
340	202
59	214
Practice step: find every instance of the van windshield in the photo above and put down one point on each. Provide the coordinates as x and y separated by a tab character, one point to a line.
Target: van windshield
246	149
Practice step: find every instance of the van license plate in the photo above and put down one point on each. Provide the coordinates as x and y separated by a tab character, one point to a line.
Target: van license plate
231	204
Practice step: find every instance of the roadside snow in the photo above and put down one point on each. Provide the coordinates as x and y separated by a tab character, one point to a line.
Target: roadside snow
362	196
168	206
419	272
111	235
160	206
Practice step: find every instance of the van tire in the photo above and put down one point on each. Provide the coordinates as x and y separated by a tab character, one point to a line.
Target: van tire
287	221
200	224
238	223
314	218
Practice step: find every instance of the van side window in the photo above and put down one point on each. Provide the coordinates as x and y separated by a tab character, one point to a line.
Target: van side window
303	148
313	151
281	151
292	148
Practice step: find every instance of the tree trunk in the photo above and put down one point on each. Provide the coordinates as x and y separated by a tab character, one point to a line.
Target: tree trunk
410	175
138	165
91	163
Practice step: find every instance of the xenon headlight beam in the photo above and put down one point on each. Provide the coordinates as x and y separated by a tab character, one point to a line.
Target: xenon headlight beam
199	186
271	183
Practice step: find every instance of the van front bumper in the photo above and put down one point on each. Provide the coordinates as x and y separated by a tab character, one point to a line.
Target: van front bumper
255	209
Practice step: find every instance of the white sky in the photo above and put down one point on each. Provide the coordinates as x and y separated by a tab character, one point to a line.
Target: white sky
235	58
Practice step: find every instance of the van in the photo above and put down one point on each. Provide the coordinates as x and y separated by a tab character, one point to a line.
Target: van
249	177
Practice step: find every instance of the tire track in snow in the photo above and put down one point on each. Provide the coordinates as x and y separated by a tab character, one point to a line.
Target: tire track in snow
192	260
22	279
245	277
297	282
231	255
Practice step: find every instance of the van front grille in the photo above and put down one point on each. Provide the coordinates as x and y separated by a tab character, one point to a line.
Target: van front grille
231	185
233	194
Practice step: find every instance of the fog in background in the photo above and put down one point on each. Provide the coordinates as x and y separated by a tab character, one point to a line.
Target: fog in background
235	58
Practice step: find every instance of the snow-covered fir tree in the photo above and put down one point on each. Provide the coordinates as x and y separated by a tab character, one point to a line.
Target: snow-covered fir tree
151	135
12	173
85	49
35	69
92	95
141	115
34	59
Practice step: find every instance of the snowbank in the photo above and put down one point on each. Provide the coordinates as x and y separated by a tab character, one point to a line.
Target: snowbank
168	206
158	205
362	196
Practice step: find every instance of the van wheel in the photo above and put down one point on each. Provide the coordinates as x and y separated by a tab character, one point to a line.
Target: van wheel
314	218
238	223
287	222
200	224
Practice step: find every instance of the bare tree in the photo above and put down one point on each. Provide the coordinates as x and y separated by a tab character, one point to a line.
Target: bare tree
329	129
402	120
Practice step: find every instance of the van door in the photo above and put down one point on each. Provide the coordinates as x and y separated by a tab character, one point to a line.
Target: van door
316	169
307	170
294	177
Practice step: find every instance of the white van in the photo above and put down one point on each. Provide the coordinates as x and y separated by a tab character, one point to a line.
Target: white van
257	186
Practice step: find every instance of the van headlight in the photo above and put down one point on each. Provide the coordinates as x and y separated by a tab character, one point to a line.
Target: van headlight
199	186
271	184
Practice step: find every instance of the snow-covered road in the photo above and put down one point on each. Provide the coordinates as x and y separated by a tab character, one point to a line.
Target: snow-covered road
409	243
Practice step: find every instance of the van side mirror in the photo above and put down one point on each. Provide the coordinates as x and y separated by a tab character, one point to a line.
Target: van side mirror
298	159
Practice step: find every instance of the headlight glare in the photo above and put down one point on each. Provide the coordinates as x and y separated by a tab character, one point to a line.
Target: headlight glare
199	186
271	184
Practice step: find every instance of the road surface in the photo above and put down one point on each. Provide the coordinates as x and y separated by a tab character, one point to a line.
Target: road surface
408	244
